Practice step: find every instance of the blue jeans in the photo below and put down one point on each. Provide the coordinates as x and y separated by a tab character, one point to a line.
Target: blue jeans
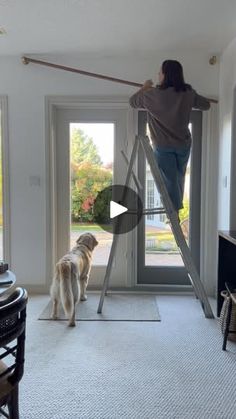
173	163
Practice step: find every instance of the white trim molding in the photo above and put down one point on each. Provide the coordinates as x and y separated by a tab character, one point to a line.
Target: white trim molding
209	200
5	180
52	104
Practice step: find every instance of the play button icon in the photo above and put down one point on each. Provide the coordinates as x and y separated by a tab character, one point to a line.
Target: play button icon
117	209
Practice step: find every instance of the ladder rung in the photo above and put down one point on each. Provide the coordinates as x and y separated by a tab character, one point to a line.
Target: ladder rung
154	212
145	212
154	209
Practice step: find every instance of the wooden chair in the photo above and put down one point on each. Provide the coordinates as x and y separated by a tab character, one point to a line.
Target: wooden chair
12	350
232	300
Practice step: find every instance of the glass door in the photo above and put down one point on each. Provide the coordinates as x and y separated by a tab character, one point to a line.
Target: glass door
159	259
88	160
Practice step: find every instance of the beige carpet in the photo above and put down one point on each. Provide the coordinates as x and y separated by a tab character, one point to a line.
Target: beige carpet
173	369
116	307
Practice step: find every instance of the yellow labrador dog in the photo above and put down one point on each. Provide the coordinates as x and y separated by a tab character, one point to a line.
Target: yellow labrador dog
71	277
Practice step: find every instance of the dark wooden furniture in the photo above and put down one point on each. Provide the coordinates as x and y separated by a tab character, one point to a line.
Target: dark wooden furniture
12	350
232	300
226	264
7	283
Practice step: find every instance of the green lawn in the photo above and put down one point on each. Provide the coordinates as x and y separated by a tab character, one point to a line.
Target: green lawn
85	227
95	227
164	240
162	234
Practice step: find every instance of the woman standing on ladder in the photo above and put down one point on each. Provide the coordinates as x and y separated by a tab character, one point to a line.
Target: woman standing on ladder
168	106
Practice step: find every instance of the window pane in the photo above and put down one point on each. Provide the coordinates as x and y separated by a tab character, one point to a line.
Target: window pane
92	158
160	245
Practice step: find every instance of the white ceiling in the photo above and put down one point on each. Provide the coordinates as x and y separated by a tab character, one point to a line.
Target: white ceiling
114	27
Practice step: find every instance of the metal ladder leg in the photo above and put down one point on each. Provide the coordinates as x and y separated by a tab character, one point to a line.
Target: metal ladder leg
115	237
177	231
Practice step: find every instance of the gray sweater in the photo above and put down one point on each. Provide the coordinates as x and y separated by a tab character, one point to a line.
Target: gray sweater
169	114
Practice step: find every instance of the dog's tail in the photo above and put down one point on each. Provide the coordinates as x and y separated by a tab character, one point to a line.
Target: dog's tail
65	273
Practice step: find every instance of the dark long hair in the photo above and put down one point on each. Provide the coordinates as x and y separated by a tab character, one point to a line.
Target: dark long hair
173	76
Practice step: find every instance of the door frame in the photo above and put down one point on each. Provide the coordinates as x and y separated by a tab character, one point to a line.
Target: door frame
210	145
52	104
174	275
209	209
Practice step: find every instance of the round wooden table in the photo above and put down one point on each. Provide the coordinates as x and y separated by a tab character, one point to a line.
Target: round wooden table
7	283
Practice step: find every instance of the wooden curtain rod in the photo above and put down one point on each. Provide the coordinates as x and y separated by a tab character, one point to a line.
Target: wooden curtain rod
27	60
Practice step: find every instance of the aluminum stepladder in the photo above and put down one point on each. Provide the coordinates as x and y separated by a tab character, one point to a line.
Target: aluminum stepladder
174	223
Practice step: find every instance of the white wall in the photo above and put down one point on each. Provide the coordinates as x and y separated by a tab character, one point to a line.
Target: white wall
227	139
26	87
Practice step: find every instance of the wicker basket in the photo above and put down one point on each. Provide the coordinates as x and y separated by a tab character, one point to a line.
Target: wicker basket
223	316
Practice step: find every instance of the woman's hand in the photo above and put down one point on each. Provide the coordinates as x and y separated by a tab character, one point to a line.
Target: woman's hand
148	84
